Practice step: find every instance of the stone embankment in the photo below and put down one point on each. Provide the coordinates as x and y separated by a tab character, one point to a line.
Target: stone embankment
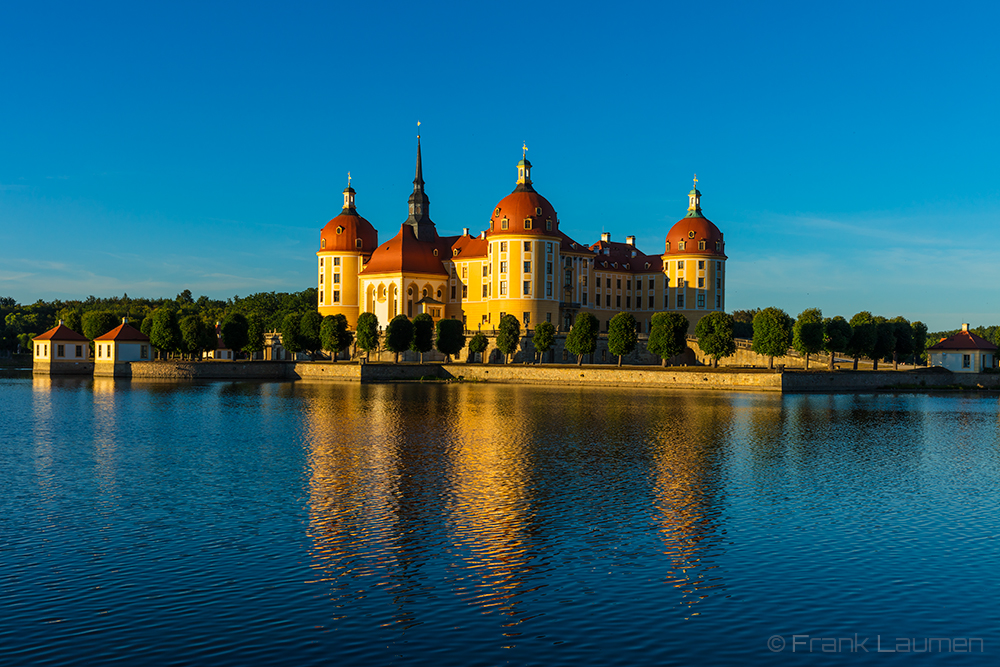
680	377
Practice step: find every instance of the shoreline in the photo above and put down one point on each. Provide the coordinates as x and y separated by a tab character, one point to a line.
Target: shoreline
677	377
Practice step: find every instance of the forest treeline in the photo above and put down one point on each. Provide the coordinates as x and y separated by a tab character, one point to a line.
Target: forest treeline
264	311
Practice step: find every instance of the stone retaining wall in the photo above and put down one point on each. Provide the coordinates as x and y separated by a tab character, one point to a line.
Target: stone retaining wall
210	370
862	381
63	368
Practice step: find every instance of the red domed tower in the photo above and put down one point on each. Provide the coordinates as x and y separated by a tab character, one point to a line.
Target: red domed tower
345	244
694	262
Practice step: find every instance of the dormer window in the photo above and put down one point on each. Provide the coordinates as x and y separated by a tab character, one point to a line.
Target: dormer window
548	225
701	244
340	230
633	253
668	246
357	243
497	211
681	245
647	265
527	223
435	252
503	224
718	246
691	235
322	243
607	251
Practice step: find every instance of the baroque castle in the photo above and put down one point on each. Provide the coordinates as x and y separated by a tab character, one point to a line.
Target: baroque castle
524	264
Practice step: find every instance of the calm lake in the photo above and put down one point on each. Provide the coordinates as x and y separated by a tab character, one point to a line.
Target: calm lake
245	523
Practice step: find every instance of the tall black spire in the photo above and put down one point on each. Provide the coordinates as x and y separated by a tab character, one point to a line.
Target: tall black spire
420	205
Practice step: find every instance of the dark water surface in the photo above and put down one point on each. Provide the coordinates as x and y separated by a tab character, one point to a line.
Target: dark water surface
320	523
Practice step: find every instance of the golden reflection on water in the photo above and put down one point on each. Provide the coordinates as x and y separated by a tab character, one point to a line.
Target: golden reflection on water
688	453
403	474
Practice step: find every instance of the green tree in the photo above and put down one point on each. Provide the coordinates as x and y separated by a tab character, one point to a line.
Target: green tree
165	334
668	335
919	340
309	331
256	326
423	335
147	325
807	333
334	334
399	335
367	330
544	338
743	322
903	332
477	345
97	323
836	336
291	333
622	337
885	340
582	337
450	337
235	331
863	336
715	336
772	332
193	331
508	336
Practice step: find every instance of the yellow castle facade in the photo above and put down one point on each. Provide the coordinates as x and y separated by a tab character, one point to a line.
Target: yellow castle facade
524	265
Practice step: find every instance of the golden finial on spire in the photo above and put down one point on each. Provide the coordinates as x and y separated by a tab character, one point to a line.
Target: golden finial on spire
696	181
524	150
348	179
418	129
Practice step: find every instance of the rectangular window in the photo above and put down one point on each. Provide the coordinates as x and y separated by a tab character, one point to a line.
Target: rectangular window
585	298
701	300
527	287
503	288
322	296
718	301
680	265
628	302
79	351
60	350
619	281
336	296
484	291
701	265
718	282
527	267
666	302
584	280
503	225
618	301
100	350
548	317
321	262
607	300
966	361
465	271
321	279
548	289
503	246
465	291
650	301
503	267
527	246
526	319
680	300
453	288
569	262
144	352
336	278
336	261
701	282
548	248
718	267
484	270
548	268
628	284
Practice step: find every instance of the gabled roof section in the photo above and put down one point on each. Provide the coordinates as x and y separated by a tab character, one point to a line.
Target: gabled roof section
125	333
62	332
405	253
964	340
468	246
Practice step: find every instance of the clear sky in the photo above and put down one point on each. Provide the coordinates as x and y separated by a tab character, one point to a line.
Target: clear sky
848	151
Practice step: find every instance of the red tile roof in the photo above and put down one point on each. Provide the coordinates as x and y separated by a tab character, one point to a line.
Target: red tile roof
692	230
125	333
61	332
619	257
964	340
405	253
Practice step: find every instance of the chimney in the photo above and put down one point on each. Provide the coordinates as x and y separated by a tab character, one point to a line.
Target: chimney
630	240
605	237
465	231
60	322
124	320
965	326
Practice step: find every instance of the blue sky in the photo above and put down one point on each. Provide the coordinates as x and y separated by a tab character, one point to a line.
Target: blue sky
848	151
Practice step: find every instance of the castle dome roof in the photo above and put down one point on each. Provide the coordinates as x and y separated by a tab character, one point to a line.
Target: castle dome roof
524	211
348	232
